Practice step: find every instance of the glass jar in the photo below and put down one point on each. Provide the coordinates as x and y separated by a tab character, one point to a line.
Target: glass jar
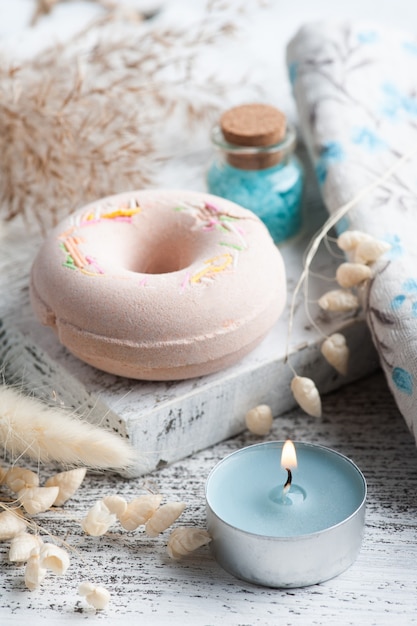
266	179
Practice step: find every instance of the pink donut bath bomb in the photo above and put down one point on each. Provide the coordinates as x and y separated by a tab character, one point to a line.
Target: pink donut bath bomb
159	285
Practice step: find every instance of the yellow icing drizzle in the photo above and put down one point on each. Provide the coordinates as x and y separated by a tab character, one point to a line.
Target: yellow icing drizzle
213	266
121	213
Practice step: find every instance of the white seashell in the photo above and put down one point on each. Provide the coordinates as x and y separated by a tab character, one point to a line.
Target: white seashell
115	504
67	482
54	558
139	511
37	499
98	520
95	595
164	517
339	300
348	240
34	573
182	541
259	420
21	547
352	274
18	478
306	394
11	524
370	251
85	588
336	352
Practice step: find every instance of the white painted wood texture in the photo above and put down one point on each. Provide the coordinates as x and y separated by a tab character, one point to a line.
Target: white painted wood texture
360	420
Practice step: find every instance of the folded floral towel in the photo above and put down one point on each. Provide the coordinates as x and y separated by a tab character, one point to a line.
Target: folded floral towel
355	87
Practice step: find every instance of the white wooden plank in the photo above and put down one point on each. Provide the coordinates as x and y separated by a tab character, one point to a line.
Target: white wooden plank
359	420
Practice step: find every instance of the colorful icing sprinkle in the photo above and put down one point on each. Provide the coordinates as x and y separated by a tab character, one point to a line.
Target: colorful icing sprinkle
70	240
206	214
212	267
210	215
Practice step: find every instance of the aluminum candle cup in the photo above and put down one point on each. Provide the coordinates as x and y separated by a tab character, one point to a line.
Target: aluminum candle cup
281	537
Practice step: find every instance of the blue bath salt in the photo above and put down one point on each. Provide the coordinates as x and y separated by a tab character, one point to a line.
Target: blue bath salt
274	194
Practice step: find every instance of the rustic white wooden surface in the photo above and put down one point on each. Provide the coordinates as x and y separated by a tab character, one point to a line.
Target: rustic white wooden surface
360	421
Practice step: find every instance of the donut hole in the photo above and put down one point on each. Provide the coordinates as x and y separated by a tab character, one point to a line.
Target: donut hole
150	250
162	257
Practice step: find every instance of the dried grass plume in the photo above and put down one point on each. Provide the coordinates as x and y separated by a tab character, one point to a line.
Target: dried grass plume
31	428
83	120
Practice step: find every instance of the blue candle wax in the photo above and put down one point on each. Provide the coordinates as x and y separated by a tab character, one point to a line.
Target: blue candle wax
245	490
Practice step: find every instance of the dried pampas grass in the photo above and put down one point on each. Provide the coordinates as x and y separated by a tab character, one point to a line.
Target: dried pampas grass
114	8
29	427
84	119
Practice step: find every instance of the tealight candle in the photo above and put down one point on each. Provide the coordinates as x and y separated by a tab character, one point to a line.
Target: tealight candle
285	521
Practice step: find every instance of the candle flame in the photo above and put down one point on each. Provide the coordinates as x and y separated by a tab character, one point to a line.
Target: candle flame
288	456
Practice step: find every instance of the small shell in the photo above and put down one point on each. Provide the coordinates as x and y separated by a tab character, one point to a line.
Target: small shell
18	478
369	251
37	499
164	517
339	300
115	504
182	541
336	352
352	274
98	520
21	547
140	510
306	394
34	573
259	420
11	524
95	595
54	558
67	482
348	240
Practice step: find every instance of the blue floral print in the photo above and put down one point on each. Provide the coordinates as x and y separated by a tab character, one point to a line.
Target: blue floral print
367	138
292	72
410	47
395	102
368	37
403	380
409	288
331	152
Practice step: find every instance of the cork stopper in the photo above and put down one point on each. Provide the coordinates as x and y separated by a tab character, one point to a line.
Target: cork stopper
253	125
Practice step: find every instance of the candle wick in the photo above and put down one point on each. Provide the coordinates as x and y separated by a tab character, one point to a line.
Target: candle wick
287	485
